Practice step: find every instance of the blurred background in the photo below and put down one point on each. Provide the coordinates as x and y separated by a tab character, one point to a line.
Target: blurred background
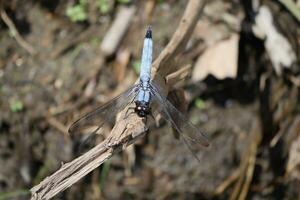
60	59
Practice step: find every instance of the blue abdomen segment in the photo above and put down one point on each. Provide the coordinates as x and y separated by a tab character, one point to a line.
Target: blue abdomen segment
145	73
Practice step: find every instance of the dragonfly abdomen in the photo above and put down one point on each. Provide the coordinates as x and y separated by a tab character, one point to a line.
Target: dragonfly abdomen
146	62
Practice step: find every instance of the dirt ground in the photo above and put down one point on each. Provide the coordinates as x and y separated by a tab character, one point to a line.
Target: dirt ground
54	68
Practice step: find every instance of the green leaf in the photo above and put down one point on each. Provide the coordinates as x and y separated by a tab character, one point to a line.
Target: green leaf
77	13
103	6
124	1
199	103
16	106
160	1
82	2
136	66
95	41
104	174
13	194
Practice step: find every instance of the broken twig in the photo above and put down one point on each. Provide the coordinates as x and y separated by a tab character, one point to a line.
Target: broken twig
13	30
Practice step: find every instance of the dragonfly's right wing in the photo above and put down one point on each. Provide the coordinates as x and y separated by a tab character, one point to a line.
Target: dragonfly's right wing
93	121
190	135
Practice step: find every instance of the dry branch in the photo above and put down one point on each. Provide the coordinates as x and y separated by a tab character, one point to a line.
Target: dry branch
126	130
117	30
15	33
246	169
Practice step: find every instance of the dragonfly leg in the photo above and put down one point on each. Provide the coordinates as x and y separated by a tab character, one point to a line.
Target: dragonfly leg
131	107
127	113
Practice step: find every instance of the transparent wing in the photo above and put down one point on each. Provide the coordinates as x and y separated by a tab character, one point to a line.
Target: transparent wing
93	121
190	135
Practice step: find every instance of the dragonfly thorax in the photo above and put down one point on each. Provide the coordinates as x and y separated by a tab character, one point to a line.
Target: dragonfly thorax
144	93
142	102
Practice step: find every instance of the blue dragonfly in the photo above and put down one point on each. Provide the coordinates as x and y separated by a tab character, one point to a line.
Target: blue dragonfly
143	94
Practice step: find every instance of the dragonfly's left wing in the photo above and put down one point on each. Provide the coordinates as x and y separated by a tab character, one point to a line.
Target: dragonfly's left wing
93	121
191	136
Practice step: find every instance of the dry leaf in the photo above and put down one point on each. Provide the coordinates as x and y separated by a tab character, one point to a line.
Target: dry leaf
219	60
277	46
209	32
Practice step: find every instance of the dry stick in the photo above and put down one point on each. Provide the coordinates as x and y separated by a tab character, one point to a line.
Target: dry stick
227	182
292	7
16	34
58	125
256	132
180	38
247	164
126	130
74	40
117	30
179	75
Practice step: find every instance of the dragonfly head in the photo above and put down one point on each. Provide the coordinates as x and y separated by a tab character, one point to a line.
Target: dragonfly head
142	108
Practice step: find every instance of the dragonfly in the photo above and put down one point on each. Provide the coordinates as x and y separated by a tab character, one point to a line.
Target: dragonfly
143	95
